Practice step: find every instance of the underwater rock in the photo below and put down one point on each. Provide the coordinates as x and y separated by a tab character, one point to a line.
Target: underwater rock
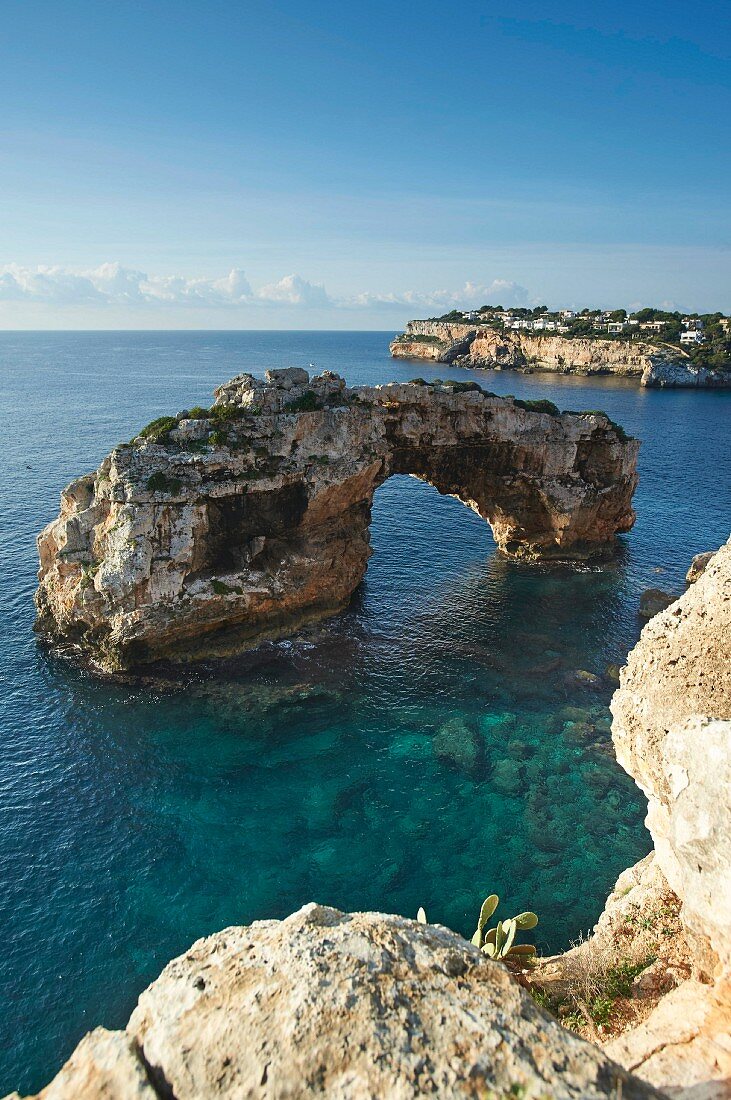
653	601
496	727
580	732
207	536
458	745
611	673
582	678
507	777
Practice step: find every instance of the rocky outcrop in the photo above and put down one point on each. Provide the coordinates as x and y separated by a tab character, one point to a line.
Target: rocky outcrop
342	1006
484	346
662	947
672	733
668	373
698	566
219	528
653	601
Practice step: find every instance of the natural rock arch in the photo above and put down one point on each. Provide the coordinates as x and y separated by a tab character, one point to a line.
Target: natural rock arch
218	529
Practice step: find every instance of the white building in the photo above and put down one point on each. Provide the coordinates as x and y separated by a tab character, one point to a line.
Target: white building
569	314
691	336
693	323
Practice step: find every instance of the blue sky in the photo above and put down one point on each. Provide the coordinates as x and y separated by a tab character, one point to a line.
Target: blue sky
327	165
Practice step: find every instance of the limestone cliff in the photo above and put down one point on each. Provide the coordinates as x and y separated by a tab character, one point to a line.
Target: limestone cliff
672	733
348	1007
482	346
217	529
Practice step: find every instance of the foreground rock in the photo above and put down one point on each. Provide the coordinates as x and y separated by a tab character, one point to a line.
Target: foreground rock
672	732
477	346
220	528
350	1007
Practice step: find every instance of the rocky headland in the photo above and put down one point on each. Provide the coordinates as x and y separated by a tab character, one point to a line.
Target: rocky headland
366	1005
481	346
218	528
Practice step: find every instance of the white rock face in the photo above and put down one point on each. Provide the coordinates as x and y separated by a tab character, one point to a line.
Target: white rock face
698	566
349	1007
672	373
672	733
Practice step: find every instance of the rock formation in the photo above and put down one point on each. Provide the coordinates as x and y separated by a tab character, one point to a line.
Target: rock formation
483	346
698	566
219	528
342	1006
672	733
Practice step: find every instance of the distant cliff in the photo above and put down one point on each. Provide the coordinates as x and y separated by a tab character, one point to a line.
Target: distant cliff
483	346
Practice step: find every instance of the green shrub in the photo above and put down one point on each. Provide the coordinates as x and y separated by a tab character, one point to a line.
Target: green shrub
218	438
161	483
462	387
225	412
306	402
540	406
158	431
195	446
222	589
417	382
619	978
601	1010
198	413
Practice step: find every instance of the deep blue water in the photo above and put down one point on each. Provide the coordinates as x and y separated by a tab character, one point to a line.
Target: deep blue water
132	822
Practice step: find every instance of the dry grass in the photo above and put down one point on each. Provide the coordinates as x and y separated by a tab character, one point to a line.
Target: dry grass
591	988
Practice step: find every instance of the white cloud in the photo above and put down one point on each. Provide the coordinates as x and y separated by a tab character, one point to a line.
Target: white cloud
470	296
111	284
295	291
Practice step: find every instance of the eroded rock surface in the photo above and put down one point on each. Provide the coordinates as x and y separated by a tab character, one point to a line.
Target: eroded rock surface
351	1007
219	528
480	346
672	733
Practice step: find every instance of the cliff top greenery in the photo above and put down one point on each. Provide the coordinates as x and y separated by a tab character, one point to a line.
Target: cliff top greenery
657	326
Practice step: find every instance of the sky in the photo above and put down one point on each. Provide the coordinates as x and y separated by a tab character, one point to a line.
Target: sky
326	165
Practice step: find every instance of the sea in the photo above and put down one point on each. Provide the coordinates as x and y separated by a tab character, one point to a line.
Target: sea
431	745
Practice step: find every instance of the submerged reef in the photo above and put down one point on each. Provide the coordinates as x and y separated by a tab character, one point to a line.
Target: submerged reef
219	528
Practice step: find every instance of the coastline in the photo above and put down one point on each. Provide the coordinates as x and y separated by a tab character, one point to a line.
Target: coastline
652	365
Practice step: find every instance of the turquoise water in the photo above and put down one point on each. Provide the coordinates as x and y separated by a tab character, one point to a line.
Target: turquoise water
417	750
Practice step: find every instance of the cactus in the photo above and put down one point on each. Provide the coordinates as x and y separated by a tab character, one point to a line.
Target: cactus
498	942
489	906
